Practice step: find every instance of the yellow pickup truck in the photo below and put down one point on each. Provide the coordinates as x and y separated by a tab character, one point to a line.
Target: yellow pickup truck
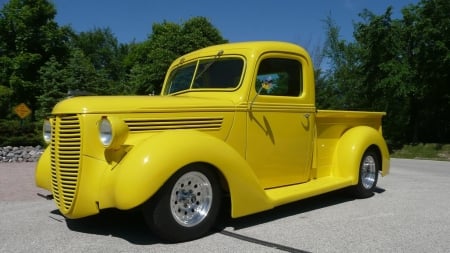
235	126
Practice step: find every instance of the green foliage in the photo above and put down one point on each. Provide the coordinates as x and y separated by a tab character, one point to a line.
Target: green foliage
395	65
168	41
20	133
41	62
340	88
424	151
103	50
5	98
28	38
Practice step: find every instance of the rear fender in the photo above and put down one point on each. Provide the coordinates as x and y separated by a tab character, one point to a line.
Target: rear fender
351	147
150	164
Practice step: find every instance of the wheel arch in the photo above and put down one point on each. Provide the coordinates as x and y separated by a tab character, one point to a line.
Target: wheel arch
149	165
378	153
222	179
223	185
351	147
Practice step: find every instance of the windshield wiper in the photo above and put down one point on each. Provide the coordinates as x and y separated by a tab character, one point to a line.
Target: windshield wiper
220	53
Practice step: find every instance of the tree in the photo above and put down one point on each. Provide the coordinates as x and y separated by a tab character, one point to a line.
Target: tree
167	42
5	98
372	73
28	38
386	71
342	85
51	79
399	66
429	53
104	52
79	75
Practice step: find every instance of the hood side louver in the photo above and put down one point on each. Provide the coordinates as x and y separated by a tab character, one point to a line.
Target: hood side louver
153	124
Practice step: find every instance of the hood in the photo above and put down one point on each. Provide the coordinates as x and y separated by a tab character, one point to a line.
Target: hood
139	104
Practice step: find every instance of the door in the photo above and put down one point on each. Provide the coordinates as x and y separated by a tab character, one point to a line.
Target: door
280	123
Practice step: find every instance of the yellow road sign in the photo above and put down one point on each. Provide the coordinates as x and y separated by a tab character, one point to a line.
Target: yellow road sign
22	110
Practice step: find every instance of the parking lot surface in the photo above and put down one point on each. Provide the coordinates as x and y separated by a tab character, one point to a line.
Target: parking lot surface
408	213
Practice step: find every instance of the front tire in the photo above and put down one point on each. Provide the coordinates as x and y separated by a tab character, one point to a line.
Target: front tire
187	206
368	174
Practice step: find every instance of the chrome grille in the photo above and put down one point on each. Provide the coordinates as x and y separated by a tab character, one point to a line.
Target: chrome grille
141	125
65	159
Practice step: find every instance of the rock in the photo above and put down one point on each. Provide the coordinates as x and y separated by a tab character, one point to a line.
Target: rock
10	154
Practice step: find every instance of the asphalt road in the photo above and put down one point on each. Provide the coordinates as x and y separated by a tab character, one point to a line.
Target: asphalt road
408	213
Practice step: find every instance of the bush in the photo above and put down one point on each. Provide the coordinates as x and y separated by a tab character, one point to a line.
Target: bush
20	133
434	151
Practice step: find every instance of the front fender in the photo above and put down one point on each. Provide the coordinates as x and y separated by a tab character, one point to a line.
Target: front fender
42	173
351	147
150	164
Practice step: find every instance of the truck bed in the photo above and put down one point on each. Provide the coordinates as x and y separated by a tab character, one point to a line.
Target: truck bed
331	125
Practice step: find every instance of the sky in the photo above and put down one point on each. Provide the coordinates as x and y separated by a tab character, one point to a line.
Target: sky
296	21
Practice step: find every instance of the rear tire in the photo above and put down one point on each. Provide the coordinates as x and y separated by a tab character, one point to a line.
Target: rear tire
186	207
368	175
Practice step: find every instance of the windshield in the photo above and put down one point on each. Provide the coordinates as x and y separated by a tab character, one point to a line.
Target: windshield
217	73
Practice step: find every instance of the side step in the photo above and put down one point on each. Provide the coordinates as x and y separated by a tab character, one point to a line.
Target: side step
291	193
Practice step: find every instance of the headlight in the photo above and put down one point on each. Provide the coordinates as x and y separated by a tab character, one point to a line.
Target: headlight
47	131
105	130
112	132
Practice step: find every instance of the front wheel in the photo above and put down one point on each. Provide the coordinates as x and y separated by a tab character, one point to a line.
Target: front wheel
368	174
186	207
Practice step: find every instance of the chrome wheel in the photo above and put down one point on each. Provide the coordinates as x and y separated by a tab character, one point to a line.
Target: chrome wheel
187	205
191	199
368	172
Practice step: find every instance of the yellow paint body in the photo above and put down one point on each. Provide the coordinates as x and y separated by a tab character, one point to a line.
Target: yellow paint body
268	150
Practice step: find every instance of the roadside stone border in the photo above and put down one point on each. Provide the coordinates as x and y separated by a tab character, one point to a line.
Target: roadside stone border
11	154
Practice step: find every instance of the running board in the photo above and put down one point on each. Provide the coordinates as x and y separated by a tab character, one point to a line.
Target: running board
287	194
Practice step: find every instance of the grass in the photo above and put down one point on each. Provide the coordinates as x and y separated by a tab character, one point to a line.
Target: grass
430	151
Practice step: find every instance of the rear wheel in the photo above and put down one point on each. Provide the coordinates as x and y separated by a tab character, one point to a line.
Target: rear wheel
186	207
368	174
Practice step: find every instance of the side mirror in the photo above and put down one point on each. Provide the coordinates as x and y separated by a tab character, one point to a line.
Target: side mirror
264	86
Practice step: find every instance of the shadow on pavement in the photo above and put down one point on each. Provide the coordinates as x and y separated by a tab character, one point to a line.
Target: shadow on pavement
131	226
295	208
128	225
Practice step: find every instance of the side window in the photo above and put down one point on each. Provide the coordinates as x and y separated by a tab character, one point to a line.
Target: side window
279	77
